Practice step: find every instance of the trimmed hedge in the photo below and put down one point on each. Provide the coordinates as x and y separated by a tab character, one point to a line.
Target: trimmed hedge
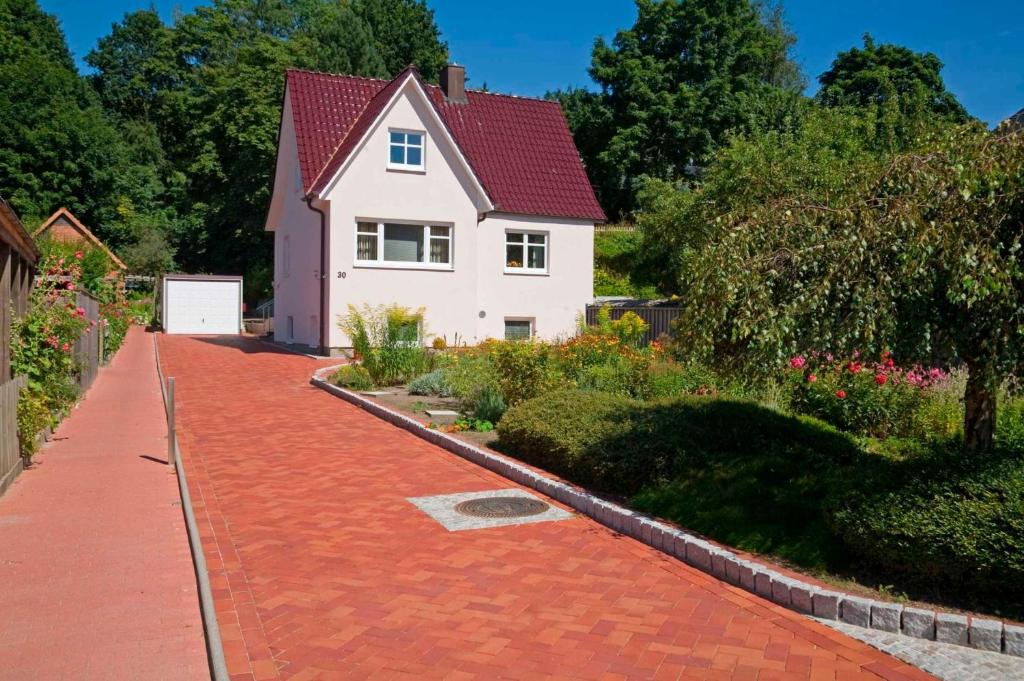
944	521
923	516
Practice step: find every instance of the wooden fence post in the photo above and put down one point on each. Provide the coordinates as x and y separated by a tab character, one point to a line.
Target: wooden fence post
170	422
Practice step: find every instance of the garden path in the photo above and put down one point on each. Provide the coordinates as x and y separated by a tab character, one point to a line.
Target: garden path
323	569
96	578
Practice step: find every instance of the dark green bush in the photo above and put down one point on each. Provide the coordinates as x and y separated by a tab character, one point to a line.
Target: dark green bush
562	432
942	520
746	475
353	377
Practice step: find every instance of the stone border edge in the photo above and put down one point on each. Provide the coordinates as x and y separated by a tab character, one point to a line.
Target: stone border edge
211	629
793	594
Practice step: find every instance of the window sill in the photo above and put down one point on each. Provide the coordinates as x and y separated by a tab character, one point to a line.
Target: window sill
525	272
412	170
403	266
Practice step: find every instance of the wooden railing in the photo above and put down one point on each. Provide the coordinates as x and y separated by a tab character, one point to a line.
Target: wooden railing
659	319
10	452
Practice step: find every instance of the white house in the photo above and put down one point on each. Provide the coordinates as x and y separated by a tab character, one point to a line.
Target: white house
472	205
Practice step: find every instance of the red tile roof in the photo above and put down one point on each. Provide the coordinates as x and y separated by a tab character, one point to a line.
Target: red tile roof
520	149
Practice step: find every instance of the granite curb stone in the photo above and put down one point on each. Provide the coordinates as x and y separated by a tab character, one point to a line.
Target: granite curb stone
984	634
918	623
1013	640
886	616
854	610
950	628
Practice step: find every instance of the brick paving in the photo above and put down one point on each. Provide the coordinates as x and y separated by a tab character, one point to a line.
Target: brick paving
96	578
322	569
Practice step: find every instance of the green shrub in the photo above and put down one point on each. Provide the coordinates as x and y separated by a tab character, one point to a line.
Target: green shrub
1010	424
524	369
674	380
434	383
944	521
488	404
625	374
562	431
386	339
740	473
353	377
33	416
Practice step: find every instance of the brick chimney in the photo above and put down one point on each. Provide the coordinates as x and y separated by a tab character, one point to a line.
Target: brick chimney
453	83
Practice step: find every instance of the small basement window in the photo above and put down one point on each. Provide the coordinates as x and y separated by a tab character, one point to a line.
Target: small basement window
405	150
526	252
404	245
518	329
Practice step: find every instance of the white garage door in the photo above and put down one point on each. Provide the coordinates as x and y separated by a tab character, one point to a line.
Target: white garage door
203	306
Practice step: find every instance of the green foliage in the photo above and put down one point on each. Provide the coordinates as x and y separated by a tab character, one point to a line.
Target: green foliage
434	383
33	417
919	254
524	368
488	404
207	91
353	377
558	432
1009	434
886	73
674	85
675	380
626	265
942	520
385	339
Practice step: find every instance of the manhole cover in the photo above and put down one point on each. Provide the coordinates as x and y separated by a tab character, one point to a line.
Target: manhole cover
501	507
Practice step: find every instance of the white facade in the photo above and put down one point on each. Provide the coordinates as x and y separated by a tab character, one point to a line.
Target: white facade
472	295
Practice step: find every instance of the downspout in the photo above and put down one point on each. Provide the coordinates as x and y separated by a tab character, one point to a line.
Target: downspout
323	270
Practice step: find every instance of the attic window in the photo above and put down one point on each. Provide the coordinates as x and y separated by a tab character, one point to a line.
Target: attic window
405	150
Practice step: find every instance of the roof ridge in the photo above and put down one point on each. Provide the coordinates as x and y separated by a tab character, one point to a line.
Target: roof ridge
491	93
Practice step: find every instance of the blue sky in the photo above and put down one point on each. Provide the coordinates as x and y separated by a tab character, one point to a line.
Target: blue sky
530	46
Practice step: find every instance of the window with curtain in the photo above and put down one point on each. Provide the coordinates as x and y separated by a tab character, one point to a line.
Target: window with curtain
410	245
526	252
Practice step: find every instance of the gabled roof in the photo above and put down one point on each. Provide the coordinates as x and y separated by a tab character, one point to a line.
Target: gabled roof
63	216
519	149
13	232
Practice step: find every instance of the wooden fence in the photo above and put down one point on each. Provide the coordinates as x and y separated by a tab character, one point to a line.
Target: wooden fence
659	319
88	350
10	453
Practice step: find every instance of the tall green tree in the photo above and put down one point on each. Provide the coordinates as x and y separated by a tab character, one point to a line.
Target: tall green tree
674	85
211	86
57	146
845	248
881	73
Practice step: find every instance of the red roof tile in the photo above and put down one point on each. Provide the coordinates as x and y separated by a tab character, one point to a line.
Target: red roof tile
520	149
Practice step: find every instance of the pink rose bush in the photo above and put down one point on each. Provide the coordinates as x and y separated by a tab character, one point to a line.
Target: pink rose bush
875	398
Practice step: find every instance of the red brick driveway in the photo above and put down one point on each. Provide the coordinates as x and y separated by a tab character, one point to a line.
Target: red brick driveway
322	570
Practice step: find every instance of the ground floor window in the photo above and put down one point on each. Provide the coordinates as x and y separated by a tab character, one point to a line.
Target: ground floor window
518	329
403	244
526	252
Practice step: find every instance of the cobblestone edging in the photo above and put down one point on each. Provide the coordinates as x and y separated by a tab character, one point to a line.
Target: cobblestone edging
808	599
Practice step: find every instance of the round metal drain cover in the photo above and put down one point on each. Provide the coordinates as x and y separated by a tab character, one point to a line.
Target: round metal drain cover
501	507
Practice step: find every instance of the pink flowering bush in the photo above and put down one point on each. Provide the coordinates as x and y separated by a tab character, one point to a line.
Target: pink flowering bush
876	398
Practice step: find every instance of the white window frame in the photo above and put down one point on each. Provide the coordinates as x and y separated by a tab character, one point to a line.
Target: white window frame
526	233
422	166
398	264
529	320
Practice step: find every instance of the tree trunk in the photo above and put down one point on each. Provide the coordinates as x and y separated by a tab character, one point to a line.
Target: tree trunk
979	409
